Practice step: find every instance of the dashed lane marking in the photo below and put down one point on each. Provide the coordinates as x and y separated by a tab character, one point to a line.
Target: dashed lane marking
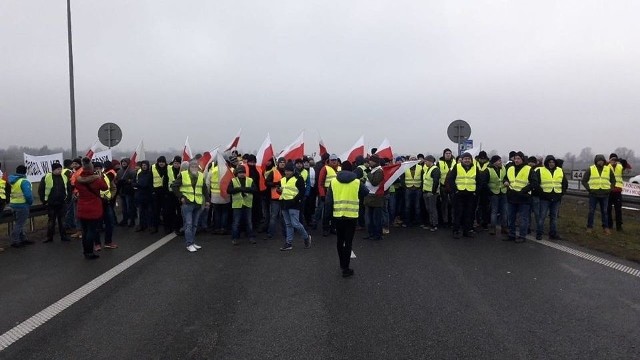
47	314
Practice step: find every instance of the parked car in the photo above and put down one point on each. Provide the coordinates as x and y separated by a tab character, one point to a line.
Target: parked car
635	179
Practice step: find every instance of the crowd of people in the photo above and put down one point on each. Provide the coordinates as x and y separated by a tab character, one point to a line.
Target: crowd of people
285	197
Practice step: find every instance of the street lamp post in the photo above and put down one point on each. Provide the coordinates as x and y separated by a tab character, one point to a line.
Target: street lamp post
72	98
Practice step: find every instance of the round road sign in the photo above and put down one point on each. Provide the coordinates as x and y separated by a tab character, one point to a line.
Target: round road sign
109	135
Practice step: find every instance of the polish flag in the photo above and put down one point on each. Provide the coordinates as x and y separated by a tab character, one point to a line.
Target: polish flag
390	174
265	152
138	155
224	174
356	150
187	155
323	148
384	150
295	150
207	158
92	150
234	143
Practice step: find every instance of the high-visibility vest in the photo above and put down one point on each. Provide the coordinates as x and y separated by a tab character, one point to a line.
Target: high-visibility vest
215	180
193	194
171	175
48	185
66	172
482	167
466	180
305	174
17	197
427	180
617	172
276	179
331	174
415	179
3	192
444	169
237	200
289	189
345	198
600	181
363	167
106	194
518	183
496	181
551	182
157	179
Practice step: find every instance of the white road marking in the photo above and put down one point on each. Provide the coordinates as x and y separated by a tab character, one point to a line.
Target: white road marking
353	255
47	314
630	208
596	259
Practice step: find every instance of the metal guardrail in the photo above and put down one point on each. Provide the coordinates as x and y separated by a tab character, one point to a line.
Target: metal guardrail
576	189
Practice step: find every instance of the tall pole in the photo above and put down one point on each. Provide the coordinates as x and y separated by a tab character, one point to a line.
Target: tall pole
72	98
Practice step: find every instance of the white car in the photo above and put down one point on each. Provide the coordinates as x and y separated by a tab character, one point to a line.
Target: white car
635	179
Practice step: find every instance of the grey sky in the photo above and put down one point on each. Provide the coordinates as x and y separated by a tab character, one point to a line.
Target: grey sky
541	76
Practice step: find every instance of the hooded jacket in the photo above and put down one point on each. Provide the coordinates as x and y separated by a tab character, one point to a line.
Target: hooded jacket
144	184
587	177
552	196
89	186
523	196
58	193
346	177
26	190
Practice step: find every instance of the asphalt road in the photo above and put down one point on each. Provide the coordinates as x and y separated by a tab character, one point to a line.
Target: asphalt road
414	295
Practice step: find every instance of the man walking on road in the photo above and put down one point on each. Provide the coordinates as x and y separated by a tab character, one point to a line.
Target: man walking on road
291	191
192	191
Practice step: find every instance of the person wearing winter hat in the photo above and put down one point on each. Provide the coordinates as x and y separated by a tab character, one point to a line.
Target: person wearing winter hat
125	178
598	181
463	181
20	200
309	206
615	196
483	213
291	192
54	190
375	200
191	189
173	219
160	180
430	184
535	193
445	164
242	188
90	210
509	163
275	214
498	194
327	173
521	179
553	184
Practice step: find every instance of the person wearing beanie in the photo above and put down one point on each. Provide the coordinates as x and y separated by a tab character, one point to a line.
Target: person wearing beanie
445	164
497	194
160	181
273	183
20	200
242	188
190	187
255	173
553	184
483	213
327	173
291	192
108	207
125	178
304	174
430	184
412	182
374	201
54	190
533	162
521	179
90	209
615	196
509	163
463	182
66	168
221	204
309	206
598	181
143	195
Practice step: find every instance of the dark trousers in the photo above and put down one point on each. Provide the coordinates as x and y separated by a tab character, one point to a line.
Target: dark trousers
109	219
145	209
615	202
345	230
159	207
256	211
484	208
56	214
310	206
464	205
89	235
128	208
172	214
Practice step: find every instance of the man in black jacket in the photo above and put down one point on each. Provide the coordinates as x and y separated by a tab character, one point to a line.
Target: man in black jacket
521	179
54	189
553	184
291	192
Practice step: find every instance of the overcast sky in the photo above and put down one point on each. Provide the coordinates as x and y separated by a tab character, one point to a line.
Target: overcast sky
540	76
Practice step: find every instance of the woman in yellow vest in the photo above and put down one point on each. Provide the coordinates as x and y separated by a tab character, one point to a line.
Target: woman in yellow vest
191	189
598	181
242	190
291	191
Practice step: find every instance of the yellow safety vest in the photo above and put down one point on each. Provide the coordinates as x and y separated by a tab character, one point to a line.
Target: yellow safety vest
600	181
305	174
3	193
444	169
518	183
289	189
66	172
17	197
331	174
427	180
496	181
215	180
106	194
551	182
193	194
345	198
172	177
482	167
237	200
466	180
617	172
364	170
48	185
415	179
157	179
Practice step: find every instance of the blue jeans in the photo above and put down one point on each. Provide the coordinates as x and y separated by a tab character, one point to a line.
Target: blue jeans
412	206
292	223
522	211
275	218
374	221
604	203
190	215
385	212
392	208
128	208
22	215
499	206
535	209
242	215
70	221
551	208
220	216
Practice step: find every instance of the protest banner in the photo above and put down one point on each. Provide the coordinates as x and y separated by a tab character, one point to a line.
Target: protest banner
38	166
102	156
631	189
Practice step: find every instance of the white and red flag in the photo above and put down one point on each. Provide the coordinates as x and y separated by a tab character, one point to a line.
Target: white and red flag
92	150
323	148
356	150
295	150
384	150
187	155
224	174
207	158
138	154
234	143
265	152
390	173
